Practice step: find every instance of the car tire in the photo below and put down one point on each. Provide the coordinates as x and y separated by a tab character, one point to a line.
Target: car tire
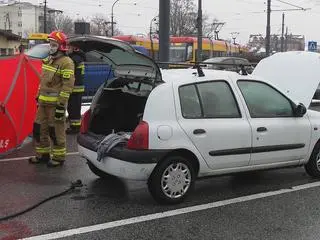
98	172
172	188
313	165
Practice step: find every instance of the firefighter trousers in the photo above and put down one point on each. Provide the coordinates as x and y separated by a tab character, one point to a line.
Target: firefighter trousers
49	134
74	110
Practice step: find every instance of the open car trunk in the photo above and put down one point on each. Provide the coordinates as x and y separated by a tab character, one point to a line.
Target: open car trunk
119	107
119	103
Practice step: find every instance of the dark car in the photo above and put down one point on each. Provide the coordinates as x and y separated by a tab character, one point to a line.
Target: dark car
229	63
98	67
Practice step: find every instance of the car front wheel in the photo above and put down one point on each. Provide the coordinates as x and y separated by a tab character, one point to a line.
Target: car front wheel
313	165
172	180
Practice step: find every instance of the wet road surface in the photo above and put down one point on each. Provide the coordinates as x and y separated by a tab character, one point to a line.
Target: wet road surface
231	213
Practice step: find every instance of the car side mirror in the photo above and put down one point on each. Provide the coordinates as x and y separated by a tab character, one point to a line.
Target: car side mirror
300	110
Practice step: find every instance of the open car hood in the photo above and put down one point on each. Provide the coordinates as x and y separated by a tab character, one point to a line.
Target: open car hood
123	58
295	73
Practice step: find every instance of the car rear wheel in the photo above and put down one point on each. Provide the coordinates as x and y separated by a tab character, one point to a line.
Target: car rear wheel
313	165
172	180
98	172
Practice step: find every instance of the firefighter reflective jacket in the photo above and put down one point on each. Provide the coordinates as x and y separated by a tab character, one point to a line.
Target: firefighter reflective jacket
57	81
78	59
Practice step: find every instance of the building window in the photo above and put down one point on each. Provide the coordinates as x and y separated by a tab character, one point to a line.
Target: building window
3	51
19	13
11	52
19	24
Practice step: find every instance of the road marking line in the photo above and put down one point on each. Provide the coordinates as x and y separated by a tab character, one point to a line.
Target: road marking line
25	158
150	217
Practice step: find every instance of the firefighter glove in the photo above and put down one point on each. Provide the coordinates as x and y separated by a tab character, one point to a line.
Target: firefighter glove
60	112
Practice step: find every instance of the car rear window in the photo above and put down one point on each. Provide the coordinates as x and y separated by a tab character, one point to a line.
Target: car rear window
190	103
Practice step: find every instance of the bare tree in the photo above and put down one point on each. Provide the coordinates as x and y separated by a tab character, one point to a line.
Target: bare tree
101	26
98	25
62	22
184	16
210	27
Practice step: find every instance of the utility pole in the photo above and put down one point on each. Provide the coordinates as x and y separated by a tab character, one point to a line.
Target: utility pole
282	35
286	42
268	28
45	17
199	25
164	29
217	28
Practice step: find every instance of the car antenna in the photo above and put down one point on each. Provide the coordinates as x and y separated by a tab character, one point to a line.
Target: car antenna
199	70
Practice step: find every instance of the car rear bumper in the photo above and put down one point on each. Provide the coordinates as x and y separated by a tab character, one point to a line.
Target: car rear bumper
117	167
120	161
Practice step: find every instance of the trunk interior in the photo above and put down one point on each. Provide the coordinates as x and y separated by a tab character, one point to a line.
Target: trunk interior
119	107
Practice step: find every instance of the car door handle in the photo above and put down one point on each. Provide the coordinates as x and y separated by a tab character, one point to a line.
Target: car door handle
199	131
261	129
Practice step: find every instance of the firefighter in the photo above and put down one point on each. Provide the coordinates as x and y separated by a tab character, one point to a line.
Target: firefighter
74	104
56	84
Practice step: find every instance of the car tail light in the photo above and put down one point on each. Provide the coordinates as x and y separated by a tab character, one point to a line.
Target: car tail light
139	139
85	121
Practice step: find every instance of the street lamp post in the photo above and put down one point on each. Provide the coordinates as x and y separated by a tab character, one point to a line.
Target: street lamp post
234	36
150	35
112	22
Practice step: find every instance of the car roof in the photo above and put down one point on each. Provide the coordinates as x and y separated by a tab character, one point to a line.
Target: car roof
185	76
221	59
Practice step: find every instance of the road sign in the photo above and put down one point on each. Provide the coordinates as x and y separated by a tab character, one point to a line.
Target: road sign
312	46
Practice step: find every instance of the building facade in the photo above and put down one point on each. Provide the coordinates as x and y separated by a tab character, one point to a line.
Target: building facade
9	43
290	43
23	18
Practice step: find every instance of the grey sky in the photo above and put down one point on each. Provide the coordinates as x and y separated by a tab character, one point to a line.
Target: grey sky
243	16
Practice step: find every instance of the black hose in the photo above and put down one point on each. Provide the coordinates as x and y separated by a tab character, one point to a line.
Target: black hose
73	186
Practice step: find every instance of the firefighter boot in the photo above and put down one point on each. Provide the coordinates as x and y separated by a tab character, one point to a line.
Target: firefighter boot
73	130
45	158
54	163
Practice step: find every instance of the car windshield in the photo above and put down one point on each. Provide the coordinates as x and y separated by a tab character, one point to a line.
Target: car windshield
39	51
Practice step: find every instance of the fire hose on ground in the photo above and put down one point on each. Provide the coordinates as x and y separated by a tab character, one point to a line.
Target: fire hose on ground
74	185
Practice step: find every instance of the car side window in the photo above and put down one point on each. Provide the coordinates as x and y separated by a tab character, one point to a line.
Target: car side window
228	61
208	100
218	100
241	61
189	100
264	101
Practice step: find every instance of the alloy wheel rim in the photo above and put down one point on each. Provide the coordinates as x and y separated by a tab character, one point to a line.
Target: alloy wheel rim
176	180
318	161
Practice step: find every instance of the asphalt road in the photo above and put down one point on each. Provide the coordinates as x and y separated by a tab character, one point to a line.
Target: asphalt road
262	205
